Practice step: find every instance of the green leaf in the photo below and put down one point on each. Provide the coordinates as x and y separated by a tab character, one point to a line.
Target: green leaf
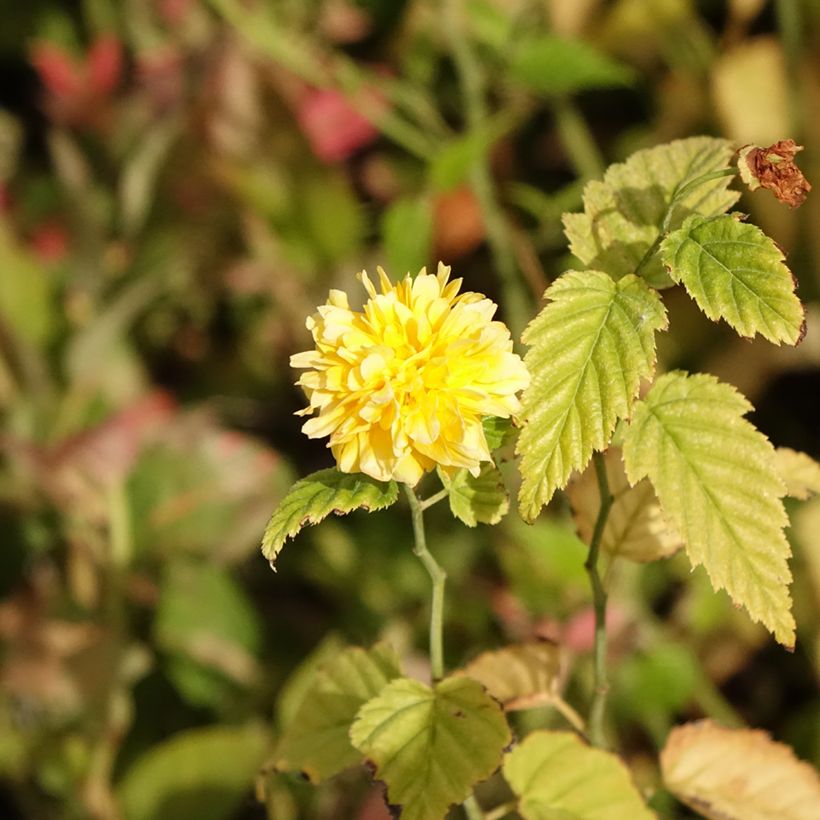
521	676
316	742
589	349
202	773
738	774
209	629
555	65
635	527
430	746
799	471
556	776
498	432
477	499
315	497
407	231
715	477
735	272
623	214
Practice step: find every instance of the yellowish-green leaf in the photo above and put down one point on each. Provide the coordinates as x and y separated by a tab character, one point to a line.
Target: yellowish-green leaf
316	742
521	676
738	774
635	527
800	473
431	746
480	499
315	497
556	776
623	214
589	349
498	432
203	773
716	480
735	272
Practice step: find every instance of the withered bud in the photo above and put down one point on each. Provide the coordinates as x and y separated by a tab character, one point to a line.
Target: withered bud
774	168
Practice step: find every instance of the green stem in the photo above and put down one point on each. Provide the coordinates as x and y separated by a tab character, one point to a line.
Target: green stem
578	141
438	577
596	715
516	302
434	499
791	28
472	809
502	811
569	714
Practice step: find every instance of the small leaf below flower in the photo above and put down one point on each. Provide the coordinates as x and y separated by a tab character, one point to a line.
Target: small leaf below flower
315	497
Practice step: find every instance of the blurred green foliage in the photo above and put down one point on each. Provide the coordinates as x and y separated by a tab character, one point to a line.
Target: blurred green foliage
181	182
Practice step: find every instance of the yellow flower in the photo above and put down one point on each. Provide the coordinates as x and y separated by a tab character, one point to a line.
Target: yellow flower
404	384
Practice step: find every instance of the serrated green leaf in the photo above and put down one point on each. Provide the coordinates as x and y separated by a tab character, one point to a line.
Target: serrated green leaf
430	746
799	471
407	231
497	431
201	773
521	676
316	742
556	775
738	774
589	349
635	527
715	477
315	497
555	65
735	272
623	214
480	499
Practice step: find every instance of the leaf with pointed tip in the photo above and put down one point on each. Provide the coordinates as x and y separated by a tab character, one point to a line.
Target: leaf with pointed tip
556	775
316	742
480	499
716	480
799	471
623	214
431	746
315	497
520	676
589	349
735	272
635	527
738	774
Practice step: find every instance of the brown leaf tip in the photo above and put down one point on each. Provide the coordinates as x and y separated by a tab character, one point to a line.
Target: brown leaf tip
774	168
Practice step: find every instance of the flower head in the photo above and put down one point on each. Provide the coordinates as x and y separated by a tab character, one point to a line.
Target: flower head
403	385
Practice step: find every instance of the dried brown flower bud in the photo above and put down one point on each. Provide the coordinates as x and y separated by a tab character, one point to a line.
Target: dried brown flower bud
774	168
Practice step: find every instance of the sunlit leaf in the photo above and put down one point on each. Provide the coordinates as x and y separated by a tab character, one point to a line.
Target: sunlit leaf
480	499
317	496
734	271
498	432
556	776
716	480
430	746
520	676
202	773
555	65
635	527
316	742
623	213
589	349
799	471
738	774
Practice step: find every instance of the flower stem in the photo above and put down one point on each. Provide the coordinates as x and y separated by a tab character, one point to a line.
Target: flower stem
438	577
578	140
472	809
596	715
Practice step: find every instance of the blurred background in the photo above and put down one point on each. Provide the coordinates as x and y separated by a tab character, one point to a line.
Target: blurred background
181	182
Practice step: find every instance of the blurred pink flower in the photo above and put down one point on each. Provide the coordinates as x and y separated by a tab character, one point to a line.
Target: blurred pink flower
49	241
76	88
335	130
